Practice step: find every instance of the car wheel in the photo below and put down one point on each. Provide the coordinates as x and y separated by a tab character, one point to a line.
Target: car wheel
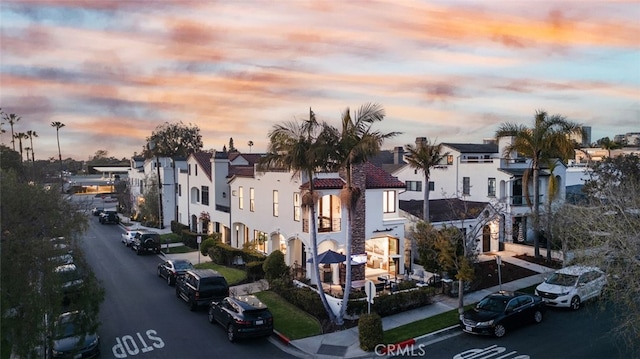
231	333
499	331
169	281
575	303
211	318
537	316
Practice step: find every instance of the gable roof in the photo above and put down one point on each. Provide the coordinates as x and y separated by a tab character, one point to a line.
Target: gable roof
204	160
376	177
473	147
445	210
325	183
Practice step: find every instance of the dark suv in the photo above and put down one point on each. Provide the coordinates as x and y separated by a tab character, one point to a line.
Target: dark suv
146	241
200	287
109	217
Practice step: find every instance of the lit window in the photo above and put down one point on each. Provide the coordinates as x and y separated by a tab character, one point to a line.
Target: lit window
240	197
275	204
389	201
296	207
252	204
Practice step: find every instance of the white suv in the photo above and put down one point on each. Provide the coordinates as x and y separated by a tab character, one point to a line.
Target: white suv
570	286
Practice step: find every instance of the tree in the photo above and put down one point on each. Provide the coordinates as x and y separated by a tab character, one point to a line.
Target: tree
174	139
31	135
547	139
58	125
302	148
20	136
424	157
356	144
605	232
553	189
250	144
12	119
606	144
149	209
424	235
30	216
232	148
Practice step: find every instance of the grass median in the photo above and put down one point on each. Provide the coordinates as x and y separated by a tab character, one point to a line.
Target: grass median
289	320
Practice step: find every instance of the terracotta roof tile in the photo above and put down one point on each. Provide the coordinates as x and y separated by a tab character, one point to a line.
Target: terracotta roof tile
376	177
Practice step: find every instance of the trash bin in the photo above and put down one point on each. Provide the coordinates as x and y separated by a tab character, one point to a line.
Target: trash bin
447	284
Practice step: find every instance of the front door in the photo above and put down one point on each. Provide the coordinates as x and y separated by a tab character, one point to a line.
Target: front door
486	239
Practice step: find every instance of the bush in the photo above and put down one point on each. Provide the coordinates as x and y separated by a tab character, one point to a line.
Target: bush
274	266
370	331
177	227
254	270
303	298
206	245
388	304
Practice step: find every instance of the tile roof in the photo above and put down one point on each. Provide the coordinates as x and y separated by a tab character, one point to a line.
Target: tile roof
325	183
445	210
241	171
204	160
376	177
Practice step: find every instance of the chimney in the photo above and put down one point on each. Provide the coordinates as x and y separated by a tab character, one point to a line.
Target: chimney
398	154
420	141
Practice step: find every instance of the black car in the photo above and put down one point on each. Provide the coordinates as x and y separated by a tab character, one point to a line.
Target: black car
200	287
70	340
173	268
109	217
242	317
146	241
502	311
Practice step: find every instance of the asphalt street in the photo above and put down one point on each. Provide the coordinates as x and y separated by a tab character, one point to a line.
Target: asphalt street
141	316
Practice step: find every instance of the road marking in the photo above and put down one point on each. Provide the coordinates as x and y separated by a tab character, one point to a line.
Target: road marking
128	346
490	352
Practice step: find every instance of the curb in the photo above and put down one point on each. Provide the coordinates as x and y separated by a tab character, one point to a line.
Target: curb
282	337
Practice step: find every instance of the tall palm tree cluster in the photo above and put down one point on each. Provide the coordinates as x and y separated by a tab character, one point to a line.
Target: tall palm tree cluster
309	147
12	119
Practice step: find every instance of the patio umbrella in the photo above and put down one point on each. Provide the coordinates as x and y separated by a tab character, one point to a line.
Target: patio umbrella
329	257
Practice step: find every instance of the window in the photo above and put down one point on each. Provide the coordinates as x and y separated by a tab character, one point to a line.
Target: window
449	159
260	240
189	169
414	186
389	201
205	195
466	186
252	198
275	204
296	207
432	186
240	197
491	191
179	190
196	167
329	214
195	195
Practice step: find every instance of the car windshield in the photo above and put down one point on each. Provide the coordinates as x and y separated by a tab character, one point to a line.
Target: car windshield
492	304
254	313
183	265
565	280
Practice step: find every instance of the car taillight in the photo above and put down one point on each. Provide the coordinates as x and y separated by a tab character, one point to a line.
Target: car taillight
242	322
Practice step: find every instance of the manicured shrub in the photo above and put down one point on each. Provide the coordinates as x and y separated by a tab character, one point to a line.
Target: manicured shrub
206	245
274	266
370	331
254	270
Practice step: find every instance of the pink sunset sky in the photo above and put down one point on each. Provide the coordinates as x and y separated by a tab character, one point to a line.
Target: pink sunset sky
453	71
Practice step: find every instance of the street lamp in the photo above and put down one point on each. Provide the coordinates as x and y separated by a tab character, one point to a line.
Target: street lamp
152	146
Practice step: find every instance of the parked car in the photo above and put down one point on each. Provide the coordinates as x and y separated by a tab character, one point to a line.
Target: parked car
200	287
570	286
69	340
173	268
109	217
502	311
97	210
127	237
146	241
243	316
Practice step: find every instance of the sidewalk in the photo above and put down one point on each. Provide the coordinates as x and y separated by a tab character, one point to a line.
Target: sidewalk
346	344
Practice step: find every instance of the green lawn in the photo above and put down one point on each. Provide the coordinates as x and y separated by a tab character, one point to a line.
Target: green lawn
290	321
232	275
171	238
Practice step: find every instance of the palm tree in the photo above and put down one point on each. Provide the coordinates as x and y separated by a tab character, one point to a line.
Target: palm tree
20	136
250	143
424	157
552	192
356	145
300	148
31	135
547	139
58	125
12	119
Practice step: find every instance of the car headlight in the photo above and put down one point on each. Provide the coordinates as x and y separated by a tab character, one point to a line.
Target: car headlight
486	324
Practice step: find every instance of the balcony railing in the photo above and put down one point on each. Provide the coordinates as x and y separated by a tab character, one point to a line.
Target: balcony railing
324	225
522	200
